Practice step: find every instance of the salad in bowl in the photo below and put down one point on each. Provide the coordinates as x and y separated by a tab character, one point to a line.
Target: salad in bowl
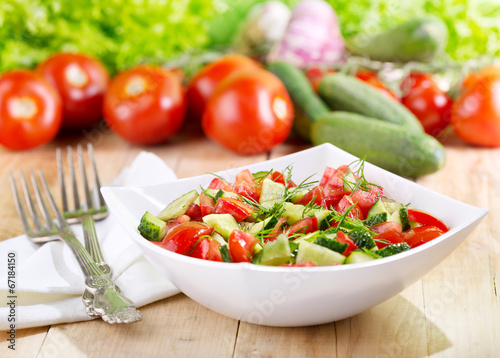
308	238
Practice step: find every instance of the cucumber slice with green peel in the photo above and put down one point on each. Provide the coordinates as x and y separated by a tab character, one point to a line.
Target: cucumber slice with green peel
272	193
363	238
294	212
224	224
307	237
358	256
395	212
276	252
225	194
297	193
393	249
178	207
151	227
218	237
330	243
376	219
319	255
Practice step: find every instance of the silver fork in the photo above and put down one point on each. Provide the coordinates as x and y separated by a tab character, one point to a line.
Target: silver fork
111	305
92	208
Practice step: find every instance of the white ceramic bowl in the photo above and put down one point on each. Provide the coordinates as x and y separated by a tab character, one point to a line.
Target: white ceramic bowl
282	296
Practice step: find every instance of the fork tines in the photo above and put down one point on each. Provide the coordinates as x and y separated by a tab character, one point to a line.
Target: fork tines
93	200
42	230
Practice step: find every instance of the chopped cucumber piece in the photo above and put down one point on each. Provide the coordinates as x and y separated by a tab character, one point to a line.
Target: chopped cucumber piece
224	253
330	243
319	255
272	193
225	194
307	237
294	212
276	252
403	216
349	181
393	249
224	224
217	237
178	207
297	194
363	238
396	212
357	256
376	219
151	227
321	215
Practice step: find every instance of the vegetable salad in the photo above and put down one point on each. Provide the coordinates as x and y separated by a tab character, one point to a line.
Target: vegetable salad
267	218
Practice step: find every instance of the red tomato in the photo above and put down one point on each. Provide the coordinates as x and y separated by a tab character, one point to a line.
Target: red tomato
218	183
183	236
30	110
388	238
343	238
475	115
245	185
241	246
203	84
332	181
424	218
81	82
249	113
304	226
145	105
366	199
207	204
206	249
430	104
387	226
278	177
194	212
355	212
238	209
315	75
420	235
316	195
372	79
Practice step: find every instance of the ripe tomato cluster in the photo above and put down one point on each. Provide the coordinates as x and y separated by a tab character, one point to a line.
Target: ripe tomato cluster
240	105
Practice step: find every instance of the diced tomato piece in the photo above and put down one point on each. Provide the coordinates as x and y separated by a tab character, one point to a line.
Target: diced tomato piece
316	195
366	199
244	176
183	236
422	234
238	209
278	177
174	222
425	218
332	179
387	226
276	231
344	239
241	246
206	249
333	198
355	212
207	204
302	264
388	238
304	226
194	212
247	190
218	183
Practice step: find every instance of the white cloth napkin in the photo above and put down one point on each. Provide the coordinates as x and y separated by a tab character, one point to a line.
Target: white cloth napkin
48	279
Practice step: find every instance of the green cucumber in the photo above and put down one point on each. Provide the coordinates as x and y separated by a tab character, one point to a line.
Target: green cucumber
317	254
276	252
386	145
224	224
178	207
358	256
307	104
393	249
152	228
419	39
346	93
271	193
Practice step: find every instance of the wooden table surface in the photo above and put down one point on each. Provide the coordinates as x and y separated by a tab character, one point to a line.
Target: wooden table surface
453	311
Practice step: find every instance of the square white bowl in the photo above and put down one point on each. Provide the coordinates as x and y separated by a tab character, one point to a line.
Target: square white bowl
284	296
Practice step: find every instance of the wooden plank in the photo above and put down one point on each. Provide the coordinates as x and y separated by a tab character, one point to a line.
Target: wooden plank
173	327
27	342
461	293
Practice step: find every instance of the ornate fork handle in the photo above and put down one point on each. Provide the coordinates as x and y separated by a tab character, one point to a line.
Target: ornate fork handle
108	303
